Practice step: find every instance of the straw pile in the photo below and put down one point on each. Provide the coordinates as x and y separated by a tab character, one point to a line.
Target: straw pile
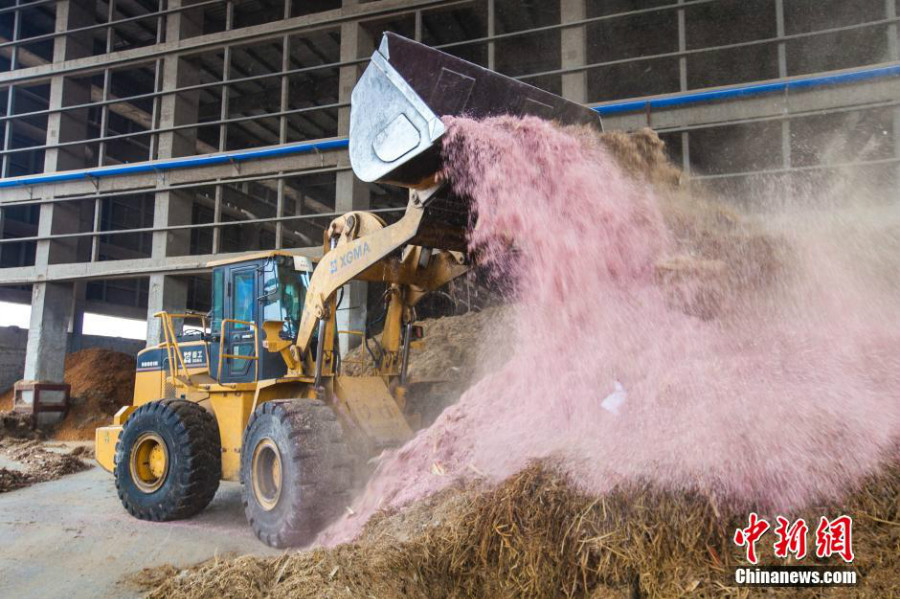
536	535
454	353
39	464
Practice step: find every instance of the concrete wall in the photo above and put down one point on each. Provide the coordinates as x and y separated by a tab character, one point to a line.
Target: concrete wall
12	351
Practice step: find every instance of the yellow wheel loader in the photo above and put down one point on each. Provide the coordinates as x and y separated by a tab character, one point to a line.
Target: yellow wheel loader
255	391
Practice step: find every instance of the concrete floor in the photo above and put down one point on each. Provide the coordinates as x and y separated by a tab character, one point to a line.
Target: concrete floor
71	538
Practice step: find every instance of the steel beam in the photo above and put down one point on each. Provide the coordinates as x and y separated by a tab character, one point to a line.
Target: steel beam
122	269
308	23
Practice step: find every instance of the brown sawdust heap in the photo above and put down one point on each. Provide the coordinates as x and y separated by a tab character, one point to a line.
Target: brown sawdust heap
17	425
45	463
641	154
536	535
150	578
101	381
6	400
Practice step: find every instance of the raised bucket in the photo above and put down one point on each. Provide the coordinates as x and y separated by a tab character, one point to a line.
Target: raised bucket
395	108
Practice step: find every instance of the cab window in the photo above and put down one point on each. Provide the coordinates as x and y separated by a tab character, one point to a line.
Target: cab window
243	297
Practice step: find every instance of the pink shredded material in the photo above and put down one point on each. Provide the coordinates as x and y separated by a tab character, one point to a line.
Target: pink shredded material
788	402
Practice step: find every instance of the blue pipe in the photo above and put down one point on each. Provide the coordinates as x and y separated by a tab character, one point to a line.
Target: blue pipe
341	143
177	163
748	90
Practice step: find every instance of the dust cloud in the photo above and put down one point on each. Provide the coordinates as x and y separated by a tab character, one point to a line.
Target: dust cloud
783	394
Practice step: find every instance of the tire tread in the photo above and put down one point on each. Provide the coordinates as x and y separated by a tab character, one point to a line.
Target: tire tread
197	448
324	460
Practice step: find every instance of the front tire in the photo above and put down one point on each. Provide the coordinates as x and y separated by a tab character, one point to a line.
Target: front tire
168	460
295	471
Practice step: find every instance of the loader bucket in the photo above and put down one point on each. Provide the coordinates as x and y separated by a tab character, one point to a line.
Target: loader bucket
395	108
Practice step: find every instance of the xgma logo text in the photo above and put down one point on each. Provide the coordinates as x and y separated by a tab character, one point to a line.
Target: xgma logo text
349	257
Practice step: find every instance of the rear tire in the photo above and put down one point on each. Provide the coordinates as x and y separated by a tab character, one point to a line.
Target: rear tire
295	471
168	460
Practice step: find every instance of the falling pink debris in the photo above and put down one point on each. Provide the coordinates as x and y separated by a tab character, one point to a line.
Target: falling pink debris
784	404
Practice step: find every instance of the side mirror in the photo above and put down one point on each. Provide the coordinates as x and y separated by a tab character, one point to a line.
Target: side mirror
273	340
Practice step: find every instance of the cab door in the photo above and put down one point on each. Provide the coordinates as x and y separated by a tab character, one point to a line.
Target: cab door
242	292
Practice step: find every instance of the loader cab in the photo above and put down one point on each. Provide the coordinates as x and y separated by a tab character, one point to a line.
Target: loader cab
245	294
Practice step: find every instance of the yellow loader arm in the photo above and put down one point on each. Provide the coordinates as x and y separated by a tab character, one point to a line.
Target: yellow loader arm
348	260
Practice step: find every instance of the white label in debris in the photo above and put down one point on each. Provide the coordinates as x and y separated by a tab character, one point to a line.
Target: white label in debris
614	400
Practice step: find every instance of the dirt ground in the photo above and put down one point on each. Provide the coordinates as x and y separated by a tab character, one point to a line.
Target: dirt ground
63	531
71	539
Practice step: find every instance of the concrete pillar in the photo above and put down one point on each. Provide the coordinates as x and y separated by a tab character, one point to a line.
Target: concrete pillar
573	50
166	293
351	193
491	31
45	354
893	41
893	45
780	32
173	208
67	91
356	42
897	150
52	303
683	85
682	47
782	72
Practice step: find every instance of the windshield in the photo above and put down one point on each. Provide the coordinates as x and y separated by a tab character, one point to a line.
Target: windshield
284	292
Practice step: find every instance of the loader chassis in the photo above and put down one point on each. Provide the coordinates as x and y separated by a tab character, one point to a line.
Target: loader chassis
272	337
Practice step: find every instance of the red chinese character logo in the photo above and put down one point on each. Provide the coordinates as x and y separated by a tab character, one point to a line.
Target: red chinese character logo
791	539
835	537
750	535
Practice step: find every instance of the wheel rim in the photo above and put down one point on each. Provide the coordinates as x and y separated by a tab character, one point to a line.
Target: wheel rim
149	462
267	474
